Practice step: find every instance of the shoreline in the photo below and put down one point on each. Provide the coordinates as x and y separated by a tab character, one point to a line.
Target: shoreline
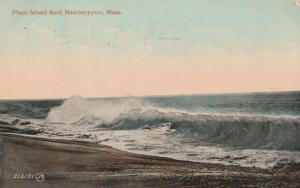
67	163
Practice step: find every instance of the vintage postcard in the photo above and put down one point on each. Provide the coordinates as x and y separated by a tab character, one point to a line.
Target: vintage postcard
149	93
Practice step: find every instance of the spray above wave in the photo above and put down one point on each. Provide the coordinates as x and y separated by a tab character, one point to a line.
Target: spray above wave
76	108
280	133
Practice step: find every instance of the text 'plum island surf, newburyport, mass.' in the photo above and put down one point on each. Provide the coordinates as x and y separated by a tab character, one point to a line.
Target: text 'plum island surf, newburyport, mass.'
76	12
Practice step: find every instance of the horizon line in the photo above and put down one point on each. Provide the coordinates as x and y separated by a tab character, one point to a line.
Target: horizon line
141	96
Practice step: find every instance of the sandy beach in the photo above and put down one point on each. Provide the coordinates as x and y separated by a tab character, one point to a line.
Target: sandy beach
35	162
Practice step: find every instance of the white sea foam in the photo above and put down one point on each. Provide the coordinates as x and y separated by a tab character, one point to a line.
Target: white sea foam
133	125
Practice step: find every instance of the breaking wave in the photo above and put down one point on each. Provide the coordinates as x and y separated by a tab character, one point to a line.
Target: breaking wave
256	132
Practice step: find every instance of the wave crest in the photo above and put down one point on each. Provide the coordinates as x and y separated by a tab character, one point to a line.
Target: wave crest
282	133
77	108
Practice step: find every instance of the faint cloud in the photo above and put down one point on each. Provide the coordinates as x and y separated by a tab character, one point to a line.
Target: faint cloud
78	32
119	37
296	2
170	38
110	39
34	38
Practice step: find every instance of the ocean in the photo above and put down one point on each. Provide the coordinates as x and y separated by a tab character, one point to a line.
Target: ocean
251	129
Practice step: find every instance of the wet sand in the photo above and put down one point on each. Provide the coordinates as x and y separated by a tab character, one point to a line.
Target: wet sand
78	164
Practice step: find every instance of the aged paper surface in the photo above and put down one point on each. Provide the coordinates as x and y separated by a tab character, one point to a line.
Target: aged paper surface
136	93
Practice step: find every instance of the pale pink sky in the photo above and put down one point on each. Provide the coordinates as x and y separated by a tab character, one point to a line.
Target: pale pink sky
89	75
